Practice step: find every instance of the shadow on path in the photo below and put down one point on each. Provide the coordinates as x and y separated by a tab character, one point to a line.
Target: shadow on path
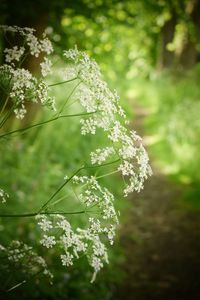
161	241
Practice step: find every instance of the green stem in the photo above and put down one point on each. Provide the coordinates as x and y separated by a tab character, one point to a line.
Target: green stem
42	213
4	106
24	57
54	194
28	215
45	122
69	179
59	189
16	286
108	174
62	82
7	116
69	97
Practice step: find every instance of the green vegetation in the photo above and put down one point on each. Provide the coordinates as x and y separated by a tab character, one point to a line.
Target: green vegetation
149	52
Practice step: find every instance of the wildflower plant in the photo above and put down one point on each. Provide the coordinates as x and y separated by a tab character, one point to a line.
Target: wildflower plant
100	111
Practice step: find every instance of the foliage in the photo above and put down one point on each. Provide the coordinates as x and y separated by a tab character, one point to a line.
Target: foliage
143	49
173	121
81	192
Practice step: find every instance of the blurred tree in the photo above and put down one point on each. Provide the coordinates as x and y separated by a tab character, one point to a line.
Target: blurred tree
180	34
168	31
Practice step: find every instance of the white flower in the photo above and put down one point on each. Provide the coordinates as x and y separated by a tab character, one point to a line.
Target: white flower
44	223
20	112
66	239
48	241
88	126
46	67
127	151
100	155
46	46
110	233
97	264
66	259
87	99
95	226
116	132
3	196
42	92
72	53
22	254
63	224
79	245
126	168
13	54
102	112
42	95
33	44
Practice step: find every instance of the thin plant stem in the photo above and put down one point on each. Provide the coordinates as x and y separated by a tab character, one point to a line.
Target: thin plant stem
4	106
58	200
7	116
62	82
16	286
45	122
24	281
108	174
59	189
28	215
71	177
55	193
7	98
74	88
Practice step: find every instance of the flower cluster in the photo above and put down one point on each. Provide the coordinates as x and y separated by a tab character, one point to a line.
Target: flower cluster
90	239
22	256
13	54
3	196
95	195
100	155
95	96
19	83
72	243
102	112
46	67
35	46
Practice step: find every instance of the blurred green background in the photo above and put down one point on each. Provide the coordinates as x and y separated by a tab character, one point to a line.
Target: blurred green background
148	51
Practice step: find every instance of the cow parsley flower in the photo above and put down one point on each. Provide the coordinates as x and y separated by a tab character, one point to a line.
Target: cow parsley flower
66	259
100	155
88	126
48	241
23	257
3	196
13	54
46	67
46	46
101	112
44	223
20	84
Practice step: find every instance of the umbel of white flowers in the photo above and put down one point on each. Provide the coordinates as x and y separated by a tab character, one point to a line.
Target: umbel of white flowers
102	111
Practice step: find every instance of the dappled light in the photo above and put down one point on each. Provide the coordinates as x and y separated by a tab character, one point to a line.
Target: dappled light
99	130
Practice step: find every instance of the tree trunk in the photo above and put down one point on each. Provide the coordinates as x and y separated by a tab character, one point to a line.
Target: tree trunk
189	55
166	57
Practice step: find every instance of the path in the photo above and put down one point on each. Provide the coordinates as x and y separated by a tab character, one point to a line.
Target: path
161	241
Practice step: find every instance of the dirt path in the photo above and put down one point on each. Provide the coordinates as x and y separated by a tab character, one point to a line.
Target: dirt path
161	241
